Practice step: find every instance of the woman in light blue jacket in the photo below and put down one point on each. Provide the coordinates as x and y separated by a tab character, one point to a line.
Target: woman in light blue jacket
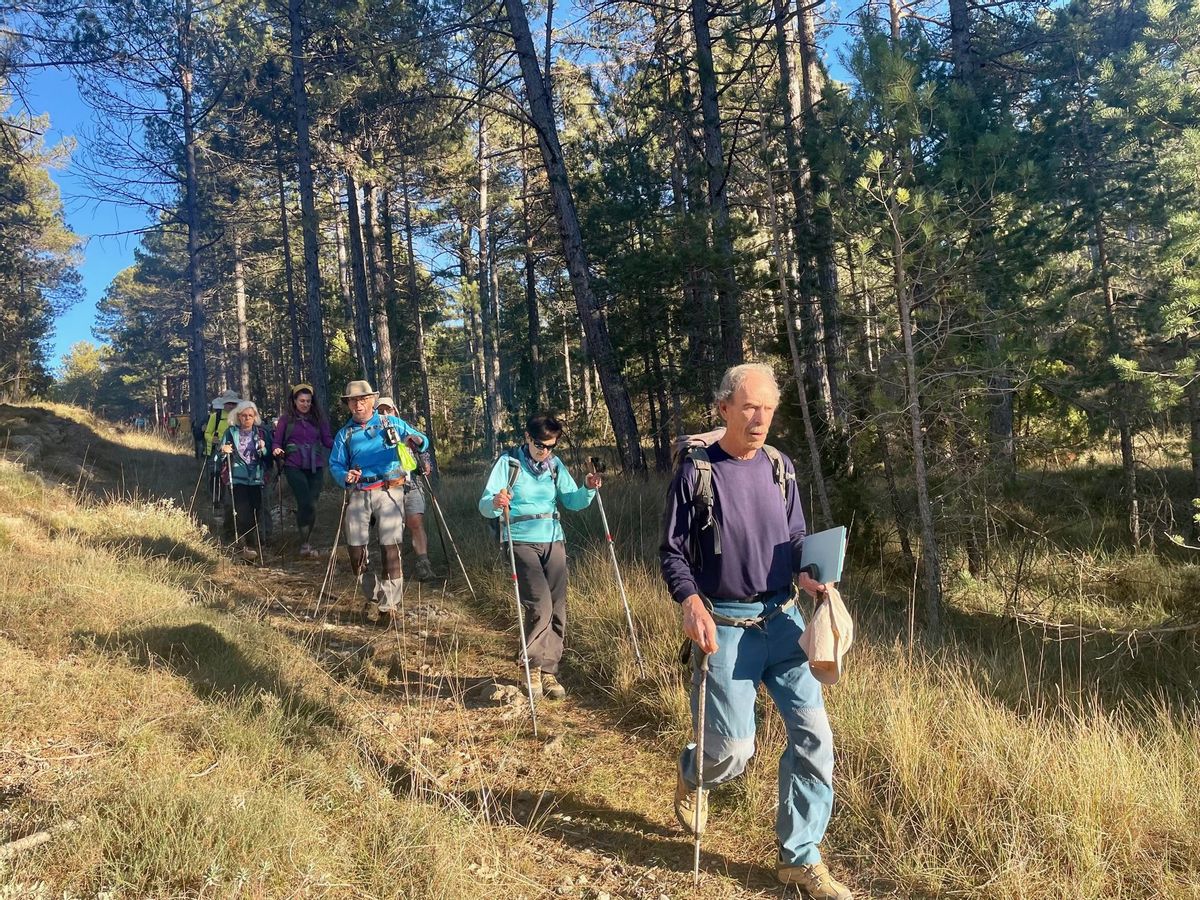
542	481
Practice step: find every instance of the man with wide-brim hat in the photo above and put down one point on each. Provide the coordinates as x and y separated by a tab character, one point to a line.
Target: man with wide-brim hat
218	420
366	461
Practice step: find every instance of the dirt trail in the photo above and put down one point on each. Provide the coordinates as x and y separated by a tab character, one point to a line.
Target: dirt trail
443	703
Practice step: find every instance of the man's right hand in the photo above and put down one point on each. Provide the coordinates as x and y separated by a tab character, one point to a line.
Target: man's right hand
698	624
278	451
353	475
501	500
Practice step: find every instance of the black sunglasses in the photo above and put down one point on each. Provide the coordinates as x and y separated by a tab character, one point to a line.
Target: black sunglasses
542	446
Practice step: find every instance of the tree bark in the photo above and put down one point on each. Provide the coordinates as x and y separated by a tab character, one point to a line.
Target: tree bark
358	281
308	207
239	300
293	312
812	329
379	295
718	199
197	371
339	235
418	322
620	409
487	302
531	297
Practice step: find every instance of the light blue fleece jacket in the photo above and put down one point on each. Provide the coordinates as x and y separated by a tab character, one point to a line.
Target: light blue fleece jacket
533	494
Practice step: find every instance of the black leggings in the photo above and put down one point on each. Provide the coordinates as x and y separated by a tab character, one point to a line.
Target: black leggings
247	501
306	488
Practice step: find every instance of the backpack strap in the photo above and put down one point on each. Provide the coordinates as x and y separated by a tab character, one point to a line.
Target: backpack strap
780	471
702	502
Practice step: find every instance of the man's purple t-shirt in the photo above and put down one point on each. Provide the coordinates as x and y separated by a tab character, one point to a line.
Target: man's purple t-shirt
761	535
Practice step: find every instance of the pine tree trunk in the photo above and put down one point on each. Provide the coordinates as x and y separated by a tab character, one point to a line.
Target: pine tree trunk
812	325
487	303
929	544
620	409
197	371
358	281
824	259
293	312
239	297
378	293
418	322
339	235
728	306
308	207
1193	395
785	294
531	297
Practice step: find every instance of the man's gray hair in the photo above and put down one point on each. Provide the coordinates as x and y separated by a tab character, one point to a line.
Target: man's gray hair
735	375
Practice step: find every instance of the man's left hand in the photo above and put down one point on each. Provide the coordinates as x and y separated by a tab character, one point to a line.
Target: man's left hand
414	442
810	585
593	481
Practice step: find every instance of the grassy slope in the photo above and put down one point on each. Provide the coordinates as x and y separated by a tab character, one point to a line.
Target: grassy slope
183	750
984	772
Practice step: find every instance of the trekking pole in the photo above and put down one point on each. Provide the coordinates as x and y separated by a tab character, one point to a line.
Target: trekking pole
699	768
328	579
514	469
442	526
232	499
598	468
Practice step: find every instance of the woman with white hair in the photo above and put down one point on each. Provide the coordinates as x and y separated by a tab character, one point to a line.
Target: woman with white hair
245	446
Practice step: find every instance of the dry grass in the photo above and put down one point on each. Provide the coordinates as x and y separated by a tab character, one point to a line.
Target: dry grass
174	749
976	772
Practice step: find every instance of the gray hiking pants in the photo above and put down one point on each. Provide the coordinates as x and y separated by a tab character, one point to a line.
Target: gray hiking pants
542	582
385	507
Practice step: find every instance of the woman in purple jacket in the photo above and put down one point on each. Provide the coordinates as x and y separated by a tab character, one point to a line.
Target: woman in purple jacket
303	440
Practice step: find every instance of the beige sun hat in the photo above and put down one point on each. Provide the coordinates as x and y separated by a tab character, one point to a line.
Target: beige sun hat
359	389
828	637
385	401
227	396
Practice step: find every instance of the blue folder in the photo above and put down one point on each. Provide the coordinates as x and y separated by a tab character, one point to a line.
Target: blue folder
826	551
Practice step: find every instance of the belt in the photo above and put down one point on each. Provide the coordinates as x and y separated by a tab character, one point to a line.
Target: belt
390	483
752	621
513	520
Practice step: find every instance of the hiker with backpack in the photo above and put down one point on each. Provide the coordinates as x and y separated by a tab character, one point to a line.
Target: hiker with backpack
539	555
245	450
302	441
731	548
414	500
371	458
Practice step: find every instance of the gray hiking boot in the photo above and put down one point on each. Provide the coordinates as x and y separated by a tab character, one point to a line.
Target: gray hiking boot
372	611
552	687
535	680
685	806
814	881
424	570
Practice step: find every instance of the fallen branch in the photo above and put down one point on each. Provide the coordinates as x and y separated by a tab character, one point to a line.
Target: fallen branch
12	848
1074	630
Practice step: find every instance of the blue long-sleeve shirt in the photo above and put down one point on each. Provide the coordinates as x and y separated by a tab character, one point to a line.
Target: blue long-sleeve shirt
361	447
761	533
534	493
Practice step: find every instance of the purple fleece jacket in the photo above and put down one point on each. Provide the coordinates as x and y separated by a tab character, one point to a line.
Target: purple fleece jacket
305	437
761	535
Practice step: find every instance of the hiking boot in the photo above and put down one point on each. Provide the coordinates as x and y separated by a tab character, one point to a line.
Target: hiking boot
372	611
552	687
535	680
814	881
248	554
306	551
685	806
424	570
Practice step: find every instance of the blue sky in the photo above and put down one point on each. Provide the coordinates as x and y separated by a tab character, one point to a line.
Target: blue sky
100	223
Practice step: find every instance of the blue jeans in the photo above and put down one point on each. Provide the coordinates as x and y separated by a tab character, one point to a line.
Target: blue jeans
770	655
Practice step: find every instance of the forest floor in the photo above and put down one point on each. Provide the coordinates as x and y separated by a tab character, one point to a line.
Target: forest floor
178	724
